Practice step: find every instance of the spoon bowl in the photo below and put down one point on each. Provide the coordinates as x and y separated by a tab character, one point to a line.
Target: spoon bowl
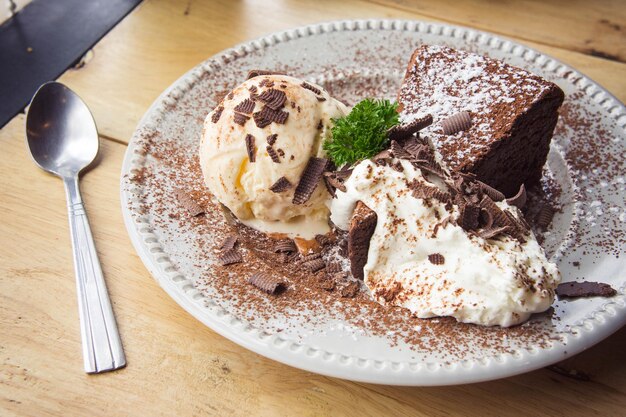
61	131
63	140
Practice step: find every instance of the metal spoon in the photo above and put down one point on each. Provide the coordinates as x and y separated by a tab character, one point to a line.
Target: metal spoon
63	140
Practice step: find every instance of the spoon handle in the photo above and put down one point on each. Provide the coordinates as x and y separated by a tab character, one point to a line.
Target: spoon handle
102	347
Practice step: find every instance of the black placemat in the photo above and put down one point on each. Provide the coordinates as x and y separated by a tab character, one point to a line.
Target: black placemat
44	39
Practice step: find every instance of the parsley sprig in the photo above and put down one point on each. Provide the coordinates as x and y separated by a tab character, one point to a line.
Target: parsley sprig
362	133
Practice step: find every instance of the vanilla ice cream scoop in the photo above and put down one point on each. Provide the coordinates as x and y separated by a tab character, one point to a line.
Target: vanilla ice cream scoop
255	146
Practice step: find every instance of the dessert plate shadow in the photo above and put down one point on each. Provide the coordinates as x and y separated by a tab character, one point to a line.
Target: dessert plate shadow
584	178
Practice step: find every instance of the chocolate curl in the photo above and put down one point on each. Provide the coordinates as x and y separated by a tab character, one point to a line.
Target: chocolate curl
404	130
494	194
246	106
217	113
229	257
398	151
282	184
311	88
436	259
285	245
229	243
519	199
188	202
584	289
274	99
545	215
257	72
456	123
273	155
267	283
250	148
311	176
315	265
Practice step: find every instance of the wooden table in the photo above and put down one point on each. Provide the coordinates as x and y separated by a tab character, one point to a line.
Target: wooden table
176	365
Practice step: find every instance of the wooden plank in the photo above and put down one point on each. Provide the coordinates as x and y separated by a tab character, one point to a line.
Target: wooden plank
593	28
161	40
177	366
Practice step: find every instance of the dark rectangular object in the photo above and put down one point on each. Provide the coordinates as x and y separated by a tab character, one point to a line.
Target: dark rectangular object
47	37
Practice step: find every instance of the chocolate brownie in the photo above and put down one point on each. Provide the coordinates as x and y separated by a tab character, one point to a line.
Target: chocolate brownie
362	226
513	114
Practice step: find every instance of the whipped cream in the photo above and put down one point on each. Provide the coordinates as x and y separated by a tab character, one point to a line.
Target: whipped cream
497	281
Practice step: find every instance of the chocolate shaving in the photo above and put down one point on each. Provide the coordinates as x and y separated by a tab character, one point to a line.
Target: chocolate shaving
267	283
268	115
494	194
519	199
332	190
469	216
382	155
397	166
311	257
544	216
311	88
584	289
266	83
334	180
282	184
188	202
499	218
217	113
413	146
253	89
250	148
350	290
271	139
274	99
228	215
240	118
315	265
323	240
285	245
485	218
261	119
519	231
430	167
258	72
229	243
398	151
310	178
456	123
493	232
423	191
320	125
436	259
246	106
404	130
230	256
272	153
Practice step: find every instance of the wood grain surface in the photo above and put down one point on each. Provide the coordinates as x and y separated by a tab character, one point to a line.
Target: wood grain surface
176	365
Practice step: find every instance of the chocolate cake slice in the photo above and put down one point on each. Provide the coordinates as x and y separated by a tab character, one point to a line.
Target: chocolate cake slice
513	114
362	226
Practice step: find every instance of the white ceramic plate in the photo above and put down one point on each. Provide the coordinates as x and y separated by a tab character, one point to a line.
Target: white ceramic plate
587	238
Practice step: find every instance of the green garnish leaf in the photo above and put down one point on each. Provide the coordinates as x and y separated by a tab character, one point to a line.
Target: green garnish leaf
362	133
